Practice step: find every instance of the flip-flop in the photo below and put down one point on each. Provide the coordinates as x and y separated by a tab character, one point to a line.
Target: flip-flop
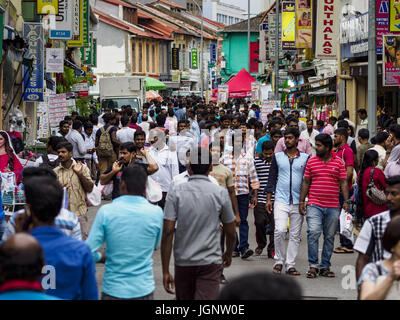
341	250
277	269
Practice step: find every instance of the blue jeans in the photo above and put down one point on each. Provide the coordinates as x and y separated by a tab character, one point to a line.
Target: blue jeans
243	204
321	220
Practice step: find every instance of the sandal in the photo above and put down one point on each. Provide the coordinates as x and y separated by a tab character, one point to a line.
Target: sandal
343	250
292	272
277	269
326	273
312	273
258	251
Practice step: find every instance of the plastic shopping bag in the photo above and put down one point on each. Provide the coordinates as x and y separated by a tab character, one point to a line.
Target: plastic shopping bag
106	190
346	225
153	191
94	197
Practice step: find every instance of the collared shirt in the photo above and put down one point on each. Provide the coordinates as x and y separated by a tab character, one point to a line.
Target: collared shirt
261	141
198	206
303	146
131	227
382	155
73	263
395	154
244	172
184	177
181	143
66	221
285	177
125	134
194	127
76	194
305	135
369	241
328	129
90	143
346	154
77	141
168	167
180	114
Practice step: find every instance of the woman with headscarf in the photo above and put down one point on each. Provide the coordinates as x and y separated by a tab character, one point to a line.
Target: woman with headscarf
8	159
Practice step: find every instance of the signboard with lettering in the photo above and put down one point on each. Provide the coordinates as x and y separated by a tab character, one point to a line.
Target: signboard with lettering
327	34
195	64
288	26
394	16
213	53
83	39
391	70
57	108
33	84
175	58
63	25
55	60
47	6
354	37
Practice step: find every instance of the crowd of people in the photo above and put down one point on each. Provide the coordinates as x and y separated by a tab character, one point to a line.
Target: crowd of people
182	177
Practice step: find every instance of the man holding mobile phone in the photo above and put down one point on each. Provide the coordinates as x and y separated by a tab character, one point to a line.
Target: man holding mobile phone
127	157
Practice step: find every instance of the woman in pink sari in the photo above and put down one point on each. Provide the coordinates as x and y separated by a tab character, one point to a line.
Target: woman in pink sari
8	159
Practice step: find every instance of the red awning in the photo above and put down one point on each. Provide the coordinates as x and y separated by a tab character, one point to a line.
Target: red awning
241	83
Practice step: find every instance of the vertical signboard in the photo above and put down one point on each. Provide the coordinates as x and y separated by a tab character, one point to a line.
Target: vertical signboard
304	24
382	22
223	94
83	39
55	60
195	64
327	35
213	53
272	36
63	25
394	15
391	70
288	26
94	55
47	6
175	58
33	85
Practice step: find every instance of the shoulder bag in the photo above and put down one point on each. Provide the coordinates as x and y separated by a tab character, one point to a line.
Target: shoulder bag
373	193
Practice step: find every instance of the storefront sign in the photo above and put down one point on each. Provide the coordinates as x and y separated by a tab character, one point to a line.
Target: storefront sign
394	15
55	60
213	53
175	58
382	22
288	26
83	39
327	29
63	30
354	37
223	94
272	36
391	70
194	59
304	31
255	91
33	85
57	108
47	6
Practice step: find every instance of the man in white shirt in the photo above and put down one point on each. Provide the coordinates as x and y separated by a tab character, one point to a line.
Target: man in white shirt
380	147
125	134
145	125
310	135
167	161
91	159
77	141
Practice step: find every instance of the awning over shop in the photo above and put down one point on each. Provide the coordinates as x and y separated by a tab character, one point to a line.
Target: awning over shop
154	84
151	95
240	85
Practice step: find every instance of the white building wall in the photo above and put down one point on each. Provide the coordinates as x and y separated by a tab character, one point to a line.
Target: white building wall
265	4
108	8
223	12
356	5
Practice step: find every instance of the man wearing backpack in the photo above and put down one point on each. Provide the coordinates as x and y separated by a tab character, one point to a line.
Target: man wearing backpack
107	143
51	159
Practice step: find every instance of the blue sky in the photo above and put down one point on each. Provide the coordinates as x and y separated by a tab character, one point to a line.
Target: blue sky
254	4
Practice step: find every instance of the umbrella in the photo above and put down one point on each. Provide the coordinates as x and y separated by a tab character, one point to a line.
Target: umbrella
154	84
151	94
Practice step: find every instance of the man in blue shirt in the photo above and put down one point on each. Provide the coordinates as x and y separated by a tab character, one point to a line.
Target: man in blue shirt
70	259
131	228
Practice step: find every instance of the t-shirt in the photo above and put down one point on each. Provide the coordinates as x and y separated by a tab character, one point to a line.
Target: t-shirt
347	155
324	188
223	175
113	129
261	141
395	154
262	168
116	179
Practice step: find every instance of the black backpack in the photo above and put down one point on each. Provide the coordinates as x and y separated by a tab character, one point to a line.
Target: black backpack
17	143
49	164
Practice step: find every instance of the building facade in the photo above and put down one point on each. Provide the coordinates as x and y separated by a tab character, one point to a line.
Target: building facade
222	12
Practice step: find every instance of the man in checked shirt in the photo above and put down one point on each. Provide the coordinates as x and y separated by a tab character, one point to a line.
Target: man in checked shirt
241	164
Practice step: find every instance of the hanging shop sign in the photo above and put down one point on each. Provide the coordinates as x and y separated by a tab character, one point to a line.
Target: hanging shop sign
213	53
47	6
195	64
55	60
33	84
304	30
391	69
255	92
354	37
175	58
288	26
83	39
394	15
223	94
57	109
382	22
272	36
63	25
327	29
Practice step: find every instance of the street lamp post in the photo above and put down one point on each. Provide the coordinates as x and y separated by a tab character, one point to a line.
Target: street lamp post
372	68
201	51
277	4
248	35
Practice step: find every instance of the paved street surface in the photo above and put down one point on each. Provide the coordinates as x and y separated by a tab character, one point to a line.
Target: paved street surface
319	288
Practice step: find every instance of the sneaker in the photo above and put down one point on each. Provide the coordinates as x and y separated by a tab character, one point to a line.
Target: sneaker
235	254
247	253
223	279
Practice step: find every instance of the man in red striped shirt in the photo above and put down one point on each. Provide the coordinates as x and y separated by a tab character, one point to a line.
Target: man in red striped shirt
323	176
